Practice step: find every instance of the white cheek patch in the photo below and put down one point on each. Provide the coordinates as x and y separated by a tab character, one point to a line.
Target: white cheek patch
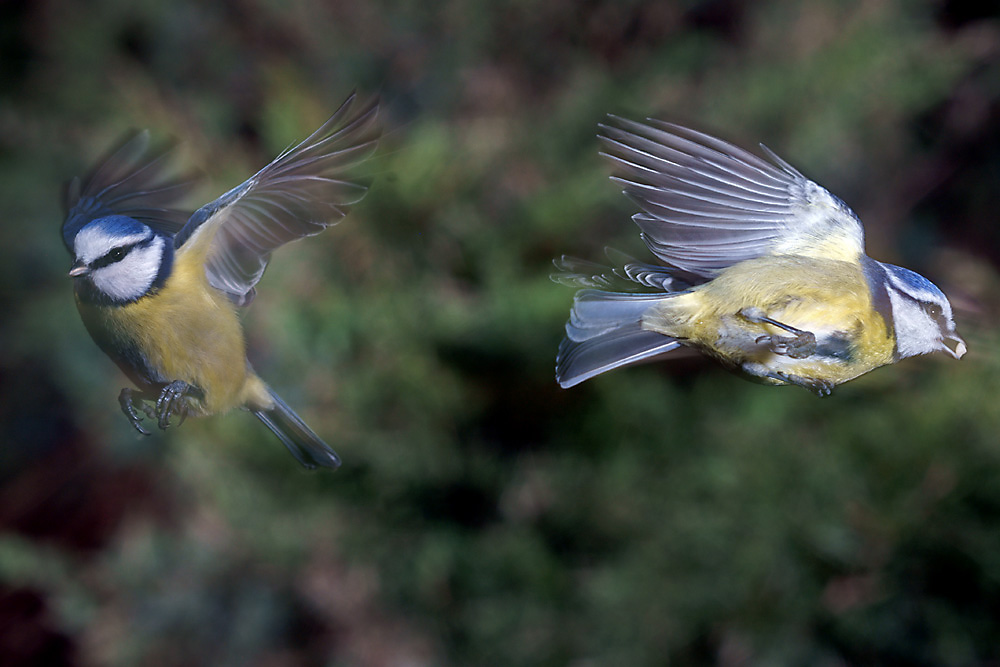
916	333
131	277
94	241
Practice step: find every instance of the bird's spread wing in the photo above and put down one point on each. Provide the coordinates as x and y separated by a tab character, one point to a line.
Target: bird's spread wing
707	204
303	191
128	181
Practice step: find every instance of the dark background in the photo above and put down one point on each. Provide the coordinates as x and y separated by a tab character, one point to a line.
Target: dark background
670	513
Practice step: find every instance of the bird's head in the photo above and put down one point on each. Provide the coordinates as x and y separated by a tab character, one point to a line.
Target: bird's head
118	260
921	314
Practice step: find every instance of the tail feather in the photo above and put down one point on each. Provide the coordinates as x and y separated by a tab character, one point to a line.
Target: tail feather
629	344
305	446
605	332
595	312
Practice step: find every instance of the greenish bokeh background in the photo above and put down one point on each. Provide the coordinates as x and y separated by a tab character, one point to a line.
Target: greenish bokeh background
665	514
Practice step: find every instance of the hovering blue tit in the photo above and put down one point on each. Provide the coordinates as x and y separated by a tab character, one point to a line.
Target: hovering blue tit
762	269
159	289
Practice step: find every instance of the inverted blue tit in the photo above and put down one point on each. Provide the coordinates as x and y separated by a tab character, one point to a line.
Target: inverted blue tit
761	269
159	290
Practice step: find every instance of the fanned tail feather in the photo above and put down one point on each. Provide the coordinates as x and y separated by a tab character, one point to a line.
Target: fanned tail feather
605	332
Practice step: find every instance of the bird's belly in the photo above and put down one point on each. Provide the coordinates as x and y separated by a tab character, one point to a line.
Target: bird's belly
829	299
182	334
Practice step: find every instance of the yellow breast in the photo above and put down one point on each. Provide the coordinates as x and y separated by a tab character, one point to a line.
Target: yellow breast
189	331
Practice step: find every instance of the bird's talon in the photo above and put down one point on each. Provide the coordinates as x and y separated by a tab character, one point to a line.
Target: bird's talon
128	404
172	402
818	386
138	427
799	346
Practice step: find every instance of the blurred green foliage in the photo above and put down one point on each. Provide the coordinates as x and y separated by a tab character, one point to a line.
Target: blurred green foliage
669	513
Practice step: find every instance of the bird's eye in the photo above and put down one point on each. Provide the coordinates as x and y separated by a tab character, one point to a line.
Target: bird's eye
934	310
117	254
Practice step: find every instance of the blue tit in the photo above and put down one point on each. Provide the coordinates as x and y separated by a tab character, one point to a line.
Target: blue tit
761	269
159	290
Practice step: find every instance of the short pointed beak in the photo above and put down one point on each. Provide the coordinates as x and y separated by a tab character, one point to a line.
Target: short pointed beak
78	269
955	346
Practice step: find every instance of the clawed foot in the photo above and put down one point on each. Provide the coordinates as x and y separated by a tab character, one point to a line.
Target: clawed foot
129	400
815	385
171	401
799	345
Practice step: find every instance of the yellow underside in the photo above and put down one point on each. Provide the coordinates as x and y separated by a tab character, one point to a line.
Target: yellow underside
819	295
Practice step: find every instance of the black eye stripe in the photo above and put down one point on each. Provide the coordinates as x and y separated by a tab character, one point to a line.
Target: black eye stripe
118	253
112	256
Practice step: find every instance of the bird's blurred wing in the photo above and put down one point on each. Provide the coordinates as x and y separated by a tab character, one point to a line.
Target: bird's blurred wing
302	192
626	274
707	204
127	181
